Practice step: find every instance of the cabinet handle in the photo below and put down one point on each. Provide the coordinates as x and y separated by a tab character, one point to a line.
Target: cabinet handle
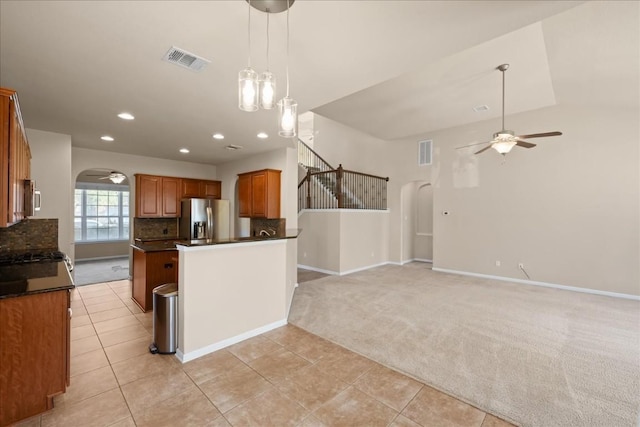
168	265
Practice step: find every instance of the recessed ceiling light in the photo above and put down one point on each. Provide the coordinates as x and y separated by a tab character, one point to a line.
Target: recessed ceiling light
263	135
107	138
184	150
126	116
218	136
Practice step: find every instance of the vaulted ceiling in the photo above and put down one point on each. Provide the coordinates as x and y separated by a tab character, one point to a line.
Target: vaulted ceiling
388	68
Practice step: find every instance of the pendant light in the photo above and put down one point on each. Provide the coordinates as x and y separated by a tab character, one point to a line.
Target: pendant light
267	82
287	107
248	80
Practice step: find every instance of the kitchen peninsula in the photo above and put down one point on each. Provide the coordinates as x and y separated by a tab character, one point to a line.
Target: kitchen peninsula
233	289
230	289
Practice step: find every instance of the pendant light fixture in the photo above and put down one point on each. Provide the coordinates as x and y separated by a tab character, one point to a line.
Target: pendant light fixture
248	80
287	107
267	82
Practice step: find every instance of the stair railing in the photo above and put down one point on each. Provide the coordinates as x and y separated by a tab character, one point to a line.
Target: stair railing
342	189
310	159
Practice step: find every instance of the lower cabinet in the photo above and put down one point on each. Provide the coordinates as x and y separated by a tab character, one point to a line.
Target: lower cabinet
151	269
34	353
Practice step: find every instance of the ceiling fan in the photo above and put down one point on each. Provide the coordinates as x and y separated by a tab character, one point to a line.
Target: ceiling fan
115	177
504	140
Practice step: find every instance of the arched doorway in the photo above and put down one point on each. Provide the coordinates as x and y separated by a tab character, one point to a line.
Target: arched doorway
416	200
101	220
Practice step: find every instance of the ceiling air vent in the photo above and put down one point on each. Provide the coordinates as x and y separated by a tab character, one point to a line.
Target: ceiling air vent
424	152
185	59
480	108
233	147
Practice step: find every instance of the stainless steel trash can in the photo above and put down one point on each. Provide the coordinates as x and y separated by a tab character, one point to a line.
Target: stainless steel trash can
165	319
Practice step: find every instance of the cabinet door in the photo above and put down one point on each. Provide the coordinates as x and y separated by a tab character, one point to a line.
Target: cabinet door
273	194
210	189
171	197
259	195
191	188
4	160
148	196
34	343
14	165
244	195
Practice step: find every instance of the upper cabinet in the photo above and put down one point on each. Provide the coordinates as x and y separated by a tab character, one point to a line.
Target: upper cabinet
15	160
259	194
198	188
157	196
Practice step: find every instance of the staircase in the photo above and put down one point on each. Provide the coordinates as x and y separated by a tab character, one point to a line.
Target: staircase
325	187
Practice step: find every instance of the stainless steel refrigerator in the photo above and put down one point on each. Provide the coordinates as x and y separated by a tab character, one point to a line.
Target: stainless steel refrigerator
204	219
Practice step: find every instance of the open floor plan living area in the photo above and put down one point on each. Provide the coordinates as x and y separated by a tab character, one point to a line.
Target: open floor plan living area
390	346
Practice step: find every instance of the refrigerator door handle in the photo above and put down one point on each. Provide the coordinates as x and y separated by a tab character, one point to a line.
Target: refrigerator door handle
209	223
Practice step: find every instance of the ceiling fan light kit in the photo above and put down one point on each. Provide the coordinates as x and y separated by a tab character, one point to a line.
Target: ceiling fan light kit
504	140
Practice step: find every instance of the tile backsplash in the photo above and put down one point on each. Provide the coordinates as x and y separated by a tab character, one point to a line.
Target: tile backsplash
155	228
30	235
277	225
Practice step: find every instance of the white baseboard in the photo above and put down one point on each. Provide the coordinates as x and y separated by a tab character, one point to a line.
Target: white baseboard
407	261
229	341
319	270
355	270
340	273
368	267
543	284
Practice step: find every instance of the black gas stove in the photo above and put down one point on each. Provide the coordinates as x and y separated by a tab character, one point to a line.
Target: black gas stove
11	258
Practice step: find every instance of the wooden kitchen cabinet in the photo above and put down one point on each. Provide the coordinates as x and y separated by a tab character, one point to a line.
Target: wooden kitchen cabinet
259	194
34	353
151	269
157	196
198	188
15	160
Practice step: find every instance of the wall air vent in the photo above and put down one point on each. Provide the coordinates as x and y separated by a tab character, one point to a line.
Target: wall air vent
424	152
185	59
233	147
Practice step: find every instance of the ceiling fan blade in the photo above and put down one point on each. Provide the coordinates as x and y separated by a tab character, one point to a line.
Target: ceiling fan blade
474	144
539	135
483	150
525	144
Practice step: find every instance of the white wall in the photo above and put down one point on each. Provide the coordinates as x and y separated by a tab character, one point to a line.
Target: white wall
319	242
229	293
51	169
567	209
341	241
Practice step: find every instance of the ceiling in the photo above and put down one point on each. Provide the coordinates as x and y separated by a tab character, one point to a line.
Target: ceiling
388	68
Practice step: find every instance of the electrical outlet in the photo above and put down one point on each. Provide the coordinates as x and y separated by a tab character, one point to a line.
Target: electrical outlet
497	263
520	265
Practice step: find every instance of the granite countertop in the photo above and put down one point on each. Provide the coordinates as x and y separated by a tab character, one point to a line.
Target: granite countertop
156	245
33	278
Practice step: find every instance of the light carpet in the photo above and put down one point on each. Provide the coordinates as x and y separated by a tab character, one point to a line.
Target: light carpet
99	271
532	355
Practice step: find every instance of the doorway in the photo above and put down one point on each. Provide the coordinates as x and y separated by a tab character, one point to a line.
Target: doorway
101	226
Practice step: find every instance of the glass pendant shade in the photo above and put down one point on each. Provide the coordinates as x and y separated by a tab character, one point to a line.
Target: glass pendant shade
267	90
504	143
248	90
287	117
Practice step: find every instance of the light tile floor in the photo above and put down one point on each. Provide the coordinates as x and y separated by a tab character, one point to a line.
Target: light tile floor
286	377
